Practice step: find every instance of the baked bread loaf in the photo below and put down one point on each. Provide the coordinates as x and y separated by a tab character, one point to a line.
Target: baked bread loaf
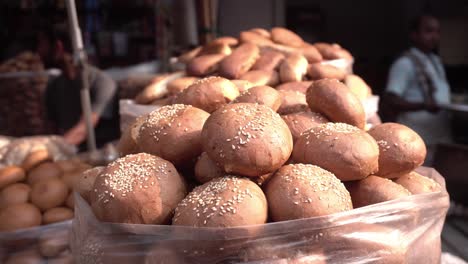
269	60
292	102
242	85
204	65
206	169
318	71
293	68
261	77
14	194
301	86
11	174
263	95
47	170
358	86
417	184
128	141
49	193
240	61
286	37
303	121
178	85
19	216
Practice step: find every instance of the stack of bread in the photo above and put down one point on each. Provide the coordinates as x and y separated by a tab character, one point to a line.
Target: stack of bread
38	192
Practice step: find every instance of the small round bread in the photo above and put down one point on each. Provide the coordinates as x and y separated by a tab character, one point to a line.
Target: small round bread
173	133
49	193
72	178
358	86
374	189
242	85
14	194
29	256
302	121
301	191
334	100
286	37
35	158
261	77
346	151
84	184
332	51
295	86
204	65
209	93
178	85
264	95
57	214
137	189
206	169
401	149
45	171
292	102
293	68
215	48
240	61
223	202
254	38
189	55
318	71
311	53
10	175
128	141
417	183
269	60
226	40
247	139
67	165
262	32
19	216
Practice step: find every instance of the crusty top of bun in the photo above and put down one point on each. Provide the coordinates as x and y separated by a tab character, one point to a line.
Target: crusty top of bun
286	37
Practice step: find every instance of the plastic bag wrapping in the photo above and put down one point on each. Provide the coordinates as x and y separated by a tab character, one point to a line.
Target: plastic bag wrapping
44	244
406	230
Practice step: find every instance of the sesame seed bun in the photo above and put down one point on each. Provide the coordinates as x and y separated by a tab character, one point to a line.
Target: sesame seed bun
269	60
261	77
206	169
240	61
247	139
173	133
85	182
293	68
263	95
302	121
334	100
223	202
204	65
401	149
346	151
286	37
417	183
10	175
137	189
301	191
292	102
178	85
128	141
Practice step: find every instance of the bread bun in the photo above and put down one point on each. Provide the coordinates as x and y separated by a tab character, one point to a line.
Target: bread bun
178	85
240	61
311	53
302	121
57	214
318	71
189	55
173	133
84	184
401	149
295	86
292	102
10	175
230	41
215	48
417	183
223	202
332	51
43	172
346	151
72	178
374	189
14	194
204	65
128	141
254	39
206	169
49	194
263	95
286	37
262	32
302	191
336	102
293	68
30	256
35	158
242	85
269	60
137	189
209	93
19	216
358	86
261	77
67	165
247	139
155	90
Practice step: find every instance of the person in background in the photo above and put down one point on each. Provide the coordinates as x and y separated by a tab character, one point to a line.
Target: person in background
417	85
63	93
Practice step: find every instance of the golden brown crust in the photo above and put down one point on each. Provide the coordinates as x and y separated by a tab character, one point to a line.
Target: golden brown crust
261	77
49	193
57	214
247	139
45	171
223	202
346	151
85	182
19	216
264	95
35	158
10	175
254	38
334	100
318	71
293	68
240	61
226	40
401	149
14	194
215	48
242	85
204	65
295	86
206	169
286	37
269	60
302	121
417	183
374	189
292	102
262	32
311	53
128	141
189	55
302	191
178	85
332	51
358	86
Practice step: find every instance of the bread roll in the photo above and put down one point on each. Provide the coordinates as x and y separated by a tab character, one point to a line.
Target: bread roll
292	102
230	41
302	121
67	165
43	172
155	90
242	85
57	214
209	93
49	193
318	71
223	202
417	183
35	158
302	191
295	86
204	65
240	61
137	189
401	149
293	68
334	100
178	85
189	55
128	141
262	32
206	169
254	38
263	95
311	53
358	86
173	133
10	175
346	151
84	184
286	37
215	48
269	60
332	51
261	77
247	139
14	194
19	216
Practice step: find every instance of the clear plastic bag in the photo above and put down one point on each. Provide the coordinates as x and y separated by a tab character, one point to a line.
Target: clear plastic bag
406	230
44	244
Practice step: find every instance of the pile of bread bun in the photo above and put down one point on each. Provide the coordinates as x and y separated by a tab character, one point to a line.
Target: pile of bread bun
39	192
